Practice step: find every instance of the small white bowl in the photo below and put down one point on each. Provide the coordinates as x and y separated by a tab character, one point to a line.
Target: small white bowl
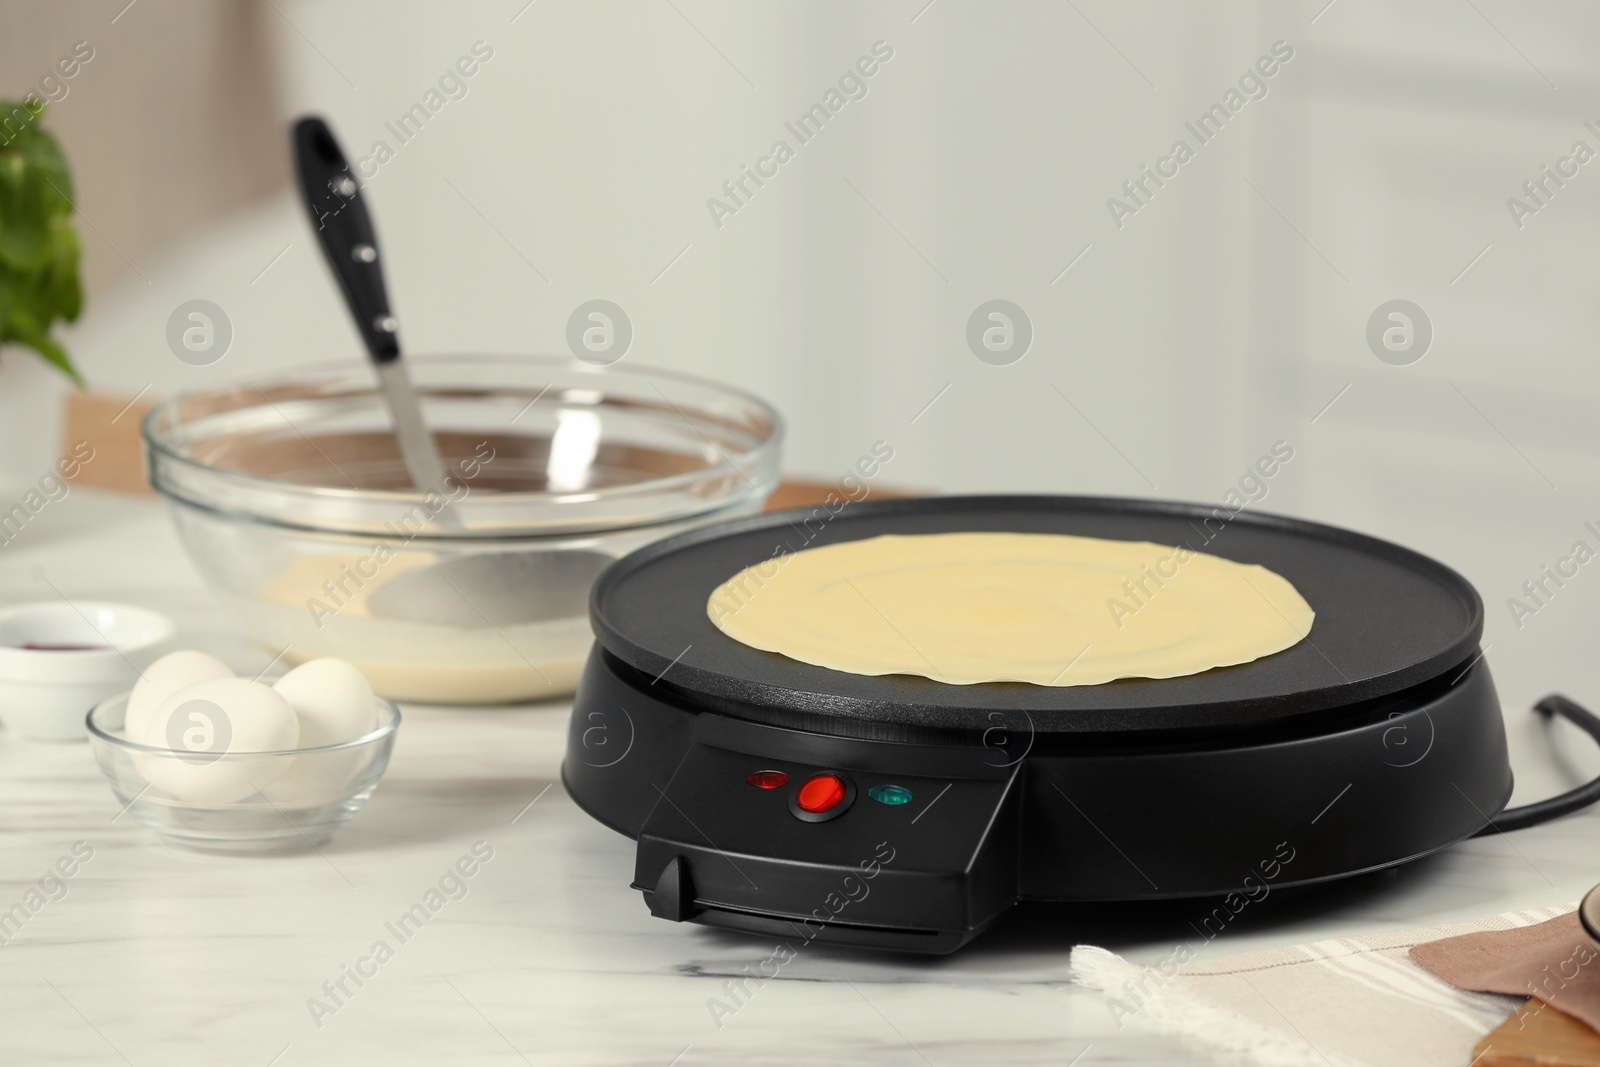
45	693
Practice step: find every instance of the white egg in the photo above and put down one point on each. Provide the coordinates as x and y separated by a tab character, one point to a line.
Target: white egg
167	675
210	728
333	700
335	703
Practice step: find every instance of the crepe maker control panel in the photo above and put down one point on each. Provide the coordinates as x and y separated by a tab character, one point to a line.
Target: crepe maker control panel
838	852
790	833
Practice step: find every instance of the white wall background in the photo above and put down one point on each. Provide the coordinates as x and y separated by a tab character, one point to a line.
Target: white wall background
1222	317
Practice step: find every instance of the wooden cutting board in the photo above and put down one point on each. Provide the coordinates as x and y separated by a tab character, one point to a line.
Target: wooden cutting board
804	493
1538	1035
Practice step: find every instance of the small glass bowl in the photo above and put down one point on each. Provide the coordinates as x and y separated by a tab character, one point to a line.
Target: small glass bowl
294	799
291	497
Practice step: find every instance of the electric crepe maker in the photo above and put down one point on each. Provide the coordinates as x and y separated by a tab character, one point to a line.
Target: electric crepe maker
788	800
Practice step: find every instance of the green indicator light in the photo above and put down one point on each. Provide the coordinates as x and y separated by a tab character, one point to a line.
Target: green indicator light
890	794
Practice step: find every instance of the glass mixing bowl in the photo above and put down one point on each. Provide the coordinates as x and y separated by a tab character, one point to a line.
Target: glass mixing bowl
290	496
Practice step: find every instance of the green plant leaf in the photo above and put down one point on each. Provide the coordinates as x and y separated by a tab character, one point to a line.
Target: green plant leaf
54	354
40	152
24	215
65	296
39	250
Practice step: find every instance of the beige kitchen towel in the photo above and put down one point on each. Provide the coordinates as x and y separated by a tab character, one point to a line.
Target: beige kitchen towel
1549	960
1344	1002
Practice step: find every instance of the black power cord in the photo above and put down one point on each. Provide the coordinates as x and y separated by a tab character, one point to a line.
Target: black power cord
1566	803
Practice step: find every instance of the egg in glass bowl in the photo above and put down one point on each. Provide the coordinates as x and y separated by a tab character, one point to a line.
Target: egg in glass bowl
217	763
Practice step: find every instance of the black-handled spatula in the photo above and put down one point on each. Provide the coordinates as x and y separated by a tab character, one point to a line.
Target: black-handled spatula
333	198
468	591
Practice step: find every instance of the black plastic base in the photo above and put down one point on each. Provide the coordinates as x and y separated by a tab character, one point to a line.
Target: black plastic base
1007	816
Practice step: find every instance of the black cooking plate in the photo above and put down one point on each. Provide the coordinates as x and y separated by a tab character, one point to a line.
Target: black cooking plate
1387	619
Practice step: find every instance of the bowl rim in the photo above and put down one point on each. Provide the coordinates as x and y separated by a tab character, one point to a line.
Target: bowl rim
18	664
159	449
382	731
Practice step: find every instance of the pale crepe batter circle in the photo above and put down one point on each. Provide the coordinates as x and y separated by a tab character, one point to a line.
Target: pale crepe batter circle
1050	609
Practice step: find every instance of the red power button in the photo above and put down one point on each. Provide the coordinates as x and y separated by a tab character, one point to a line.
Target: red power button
822	797
820	794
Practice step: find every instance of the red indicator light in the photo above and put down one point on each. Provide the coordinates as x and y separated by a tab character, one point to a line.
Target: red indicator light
820	794
768	779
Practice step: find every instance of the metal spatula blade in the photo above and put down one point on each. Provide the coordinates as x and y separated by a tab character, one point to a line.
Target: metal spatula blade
493	589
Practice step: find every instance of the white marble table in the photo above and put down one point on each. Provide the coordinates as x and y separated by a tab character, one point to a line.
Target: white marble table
158	956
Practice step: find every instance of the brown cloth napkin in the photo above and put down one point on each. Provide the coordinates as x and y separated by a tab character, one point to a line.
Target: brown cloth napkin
1555	961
